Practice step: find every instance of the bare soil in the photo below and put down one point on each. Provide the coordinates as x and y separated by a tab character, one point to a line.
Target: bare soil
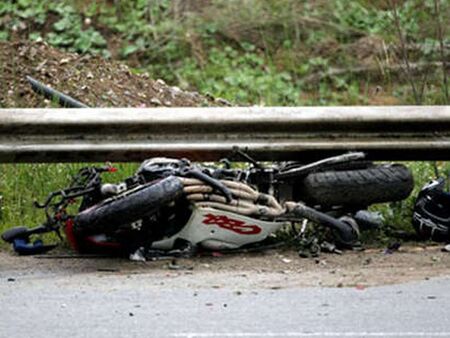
92	80
271	269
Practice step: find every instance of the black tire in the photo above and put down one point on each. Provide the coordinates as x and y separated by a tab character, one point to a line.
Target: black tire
128	207
358	188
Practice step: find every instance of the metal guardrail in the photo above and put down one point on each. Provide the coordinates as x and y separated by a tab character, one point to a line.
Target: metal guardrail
269	133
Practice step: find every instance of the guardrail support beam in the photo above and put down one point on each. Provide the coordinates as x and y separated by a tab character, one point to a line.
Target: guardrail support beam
208	134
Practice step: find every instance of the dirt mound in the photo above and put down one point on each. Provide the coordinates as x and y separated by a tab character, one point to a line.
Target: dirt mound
89	79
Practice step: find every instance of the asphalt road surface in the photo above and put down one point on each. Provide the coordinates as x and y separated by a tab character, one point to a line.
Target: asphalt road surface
219	304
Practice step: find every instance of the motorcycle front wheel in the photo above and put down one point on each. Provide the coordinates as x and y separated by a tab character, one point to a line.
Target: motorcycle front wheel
128	207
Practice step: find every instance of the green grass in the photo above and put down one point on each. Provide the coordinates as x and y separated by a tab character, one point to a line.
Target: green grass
22	184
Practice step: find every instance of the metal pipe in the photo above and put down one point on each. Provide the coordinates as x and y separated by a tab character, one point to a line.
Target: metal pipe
208	134
52	94
203	189
232	185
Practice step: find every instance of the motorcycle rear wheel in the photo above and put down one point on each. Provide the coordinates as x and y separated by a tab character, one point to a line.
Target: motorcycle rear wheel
356	188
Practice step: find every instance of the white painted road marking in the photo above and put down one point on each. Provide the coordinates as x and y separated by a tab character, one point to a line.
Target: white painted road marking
311	334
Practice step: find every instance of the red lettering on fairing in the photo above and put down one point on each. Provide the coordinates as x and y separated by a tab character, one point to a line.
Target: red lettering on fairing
231	224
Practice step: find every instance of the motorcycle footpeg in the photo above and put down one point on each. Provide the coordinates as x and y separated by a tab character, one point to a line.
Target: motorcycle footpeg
330	248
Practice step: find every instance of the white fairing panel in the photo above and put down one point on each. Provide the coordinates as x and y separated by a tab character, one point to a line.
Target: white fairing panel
217	230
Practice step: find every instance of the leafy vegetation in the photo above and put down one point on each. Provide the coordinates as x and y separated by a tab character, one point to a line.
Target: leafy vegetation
63	22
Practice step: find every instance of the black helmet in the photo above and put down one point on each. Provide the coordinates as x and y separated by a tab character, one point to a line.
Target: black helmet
431	217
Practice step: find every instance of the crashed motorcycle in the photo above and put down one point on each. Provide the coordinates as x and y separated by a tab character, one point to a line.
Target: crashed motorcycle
175	206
